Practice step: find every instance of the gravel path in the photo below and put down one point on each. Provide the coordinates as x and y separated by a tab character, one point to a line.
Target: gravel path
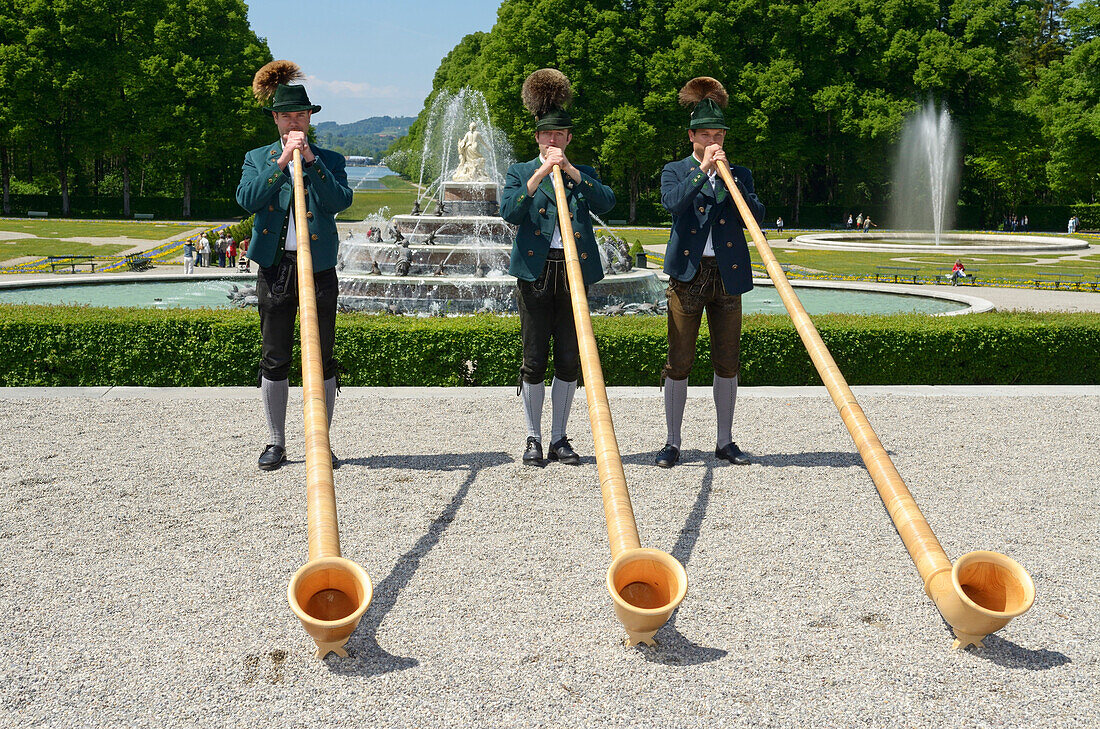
146	563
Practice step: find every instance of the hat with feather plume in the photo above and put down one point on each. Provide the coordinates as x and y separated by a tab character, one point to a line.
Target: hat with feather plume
709	97
271	86
546	93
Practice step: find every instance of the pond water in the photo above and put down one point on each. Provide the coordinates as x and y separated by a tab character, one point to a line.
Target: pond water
215	293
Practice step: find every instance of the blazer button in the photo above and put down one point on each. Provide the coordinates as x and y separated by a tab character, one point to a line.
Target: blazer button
309	215
577	236
584	256
729	244
530	253
315	236
570	216
270	208
538	232
721	221
702	209
734	266
265	231
693	231
542	211
686	253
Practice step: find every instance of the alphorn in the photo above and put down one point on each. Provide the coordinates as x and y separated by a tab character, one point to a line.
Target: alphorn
984	590
329	594
646	585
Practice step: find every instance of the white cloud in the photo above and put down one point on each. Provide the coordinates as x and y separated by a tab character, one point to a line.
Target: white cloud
353	89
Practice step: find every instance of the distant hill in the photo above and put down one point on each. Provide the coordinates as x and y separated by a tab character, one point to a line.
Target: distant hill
366	137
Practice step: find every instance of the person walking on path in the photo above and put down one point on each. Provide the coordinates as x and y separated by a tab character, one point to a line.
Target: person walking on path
266	189
707	260
538	260
779	224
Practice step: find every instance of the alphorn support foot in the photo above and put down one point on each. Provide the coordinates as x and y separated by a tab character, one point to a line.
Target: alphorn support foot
965	640
645	638
323	649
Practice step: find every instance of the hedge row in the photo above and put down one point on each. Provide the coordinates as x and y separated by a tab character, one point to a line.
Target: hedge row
75	346
161	208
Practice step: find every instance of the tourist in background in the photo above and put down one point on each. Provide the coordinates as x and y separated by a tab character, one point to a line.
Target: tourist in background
849	223
245	264
957	271
220	250
204	250
538	260
266	189
779	224
859	221
867	224
188	257
707	260
230	252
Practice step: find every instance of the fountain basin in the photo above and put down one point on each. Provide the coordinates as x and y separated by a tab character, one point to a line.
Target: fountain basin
955	243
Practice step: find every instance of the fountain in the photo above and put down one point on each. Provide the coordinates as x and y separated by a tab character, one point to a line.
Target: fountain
450	253
926	174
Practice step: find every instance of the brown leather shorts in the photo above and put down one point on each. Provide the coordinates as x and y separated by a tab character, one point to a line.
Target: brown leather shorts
687	300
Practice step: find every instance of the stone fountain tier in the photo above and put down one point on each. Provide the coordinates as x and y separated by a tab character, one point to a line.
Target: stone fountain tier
471	191
483	226
426	260
467	294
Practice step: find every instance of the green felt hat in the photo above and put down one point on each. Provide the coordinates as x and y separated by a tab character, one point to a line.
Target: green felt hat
291	98
707	115
553	119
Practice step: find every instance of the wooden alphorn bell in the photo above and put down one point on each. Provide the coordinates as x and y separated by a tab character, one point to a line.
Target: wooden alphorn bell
984	590
646	585
329	594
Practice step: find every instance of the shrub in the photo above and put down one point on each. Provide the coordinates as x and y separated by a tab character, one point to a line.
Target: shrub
74	346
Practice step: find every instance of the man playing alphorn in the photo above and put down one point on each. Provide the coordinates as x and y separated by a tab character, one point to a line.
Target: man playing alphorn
266	189
538	259
707	261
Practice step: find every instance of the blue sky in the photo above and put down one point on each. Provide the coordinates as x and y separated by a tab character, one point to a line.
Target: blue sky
366	57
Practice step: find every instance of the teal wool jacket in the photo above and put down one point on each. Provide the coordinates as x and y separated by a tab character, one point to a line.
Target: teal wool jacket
268	191
698	210
537	216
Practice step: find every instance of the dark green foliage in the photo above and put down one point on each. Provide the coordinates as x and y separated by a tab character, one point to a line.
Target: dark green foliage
72	346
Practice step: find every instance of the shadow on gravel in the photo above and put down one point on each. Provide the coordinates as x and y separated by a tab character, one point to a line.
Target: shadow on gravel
812	459
365	657
1009	655
673	647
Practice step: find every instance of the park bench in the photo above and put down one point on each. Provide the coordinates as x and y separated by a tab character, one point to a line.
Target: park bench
143	216
1058	279
37	214
898	271
970	278
138	262
71	261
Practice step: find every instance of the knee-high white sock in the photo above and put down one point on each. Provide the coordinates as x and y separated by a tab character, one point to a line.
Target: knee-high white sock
274	395
676	392
561	399
533	395
725	398
330	397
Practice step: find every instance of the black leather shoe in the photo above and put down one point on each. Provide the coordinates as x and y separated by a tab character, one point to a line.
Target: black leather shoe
533	455
668	457
562	451
732	454
272	457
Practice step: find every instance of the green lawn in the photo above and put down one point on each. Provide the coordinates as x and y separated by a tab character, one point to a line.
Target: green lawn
863	263
368	202
92	229
52	247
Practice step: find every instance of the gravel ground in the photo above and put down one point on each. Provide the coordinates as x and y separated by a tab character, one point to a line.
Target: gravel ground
146	563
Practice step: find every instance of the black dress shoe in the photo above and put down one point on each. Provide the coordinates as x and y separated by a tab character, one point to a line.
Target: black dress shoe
668	457
533	455
272	457
562	451
732	454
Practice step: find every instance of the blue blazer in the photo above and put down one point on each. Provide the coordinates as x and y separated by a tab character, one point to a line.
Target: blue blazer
698	210
268	191
537	216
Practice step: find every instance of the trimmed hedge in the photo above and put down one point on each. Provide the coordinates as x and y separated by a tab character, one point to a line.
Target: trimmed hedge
73	346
